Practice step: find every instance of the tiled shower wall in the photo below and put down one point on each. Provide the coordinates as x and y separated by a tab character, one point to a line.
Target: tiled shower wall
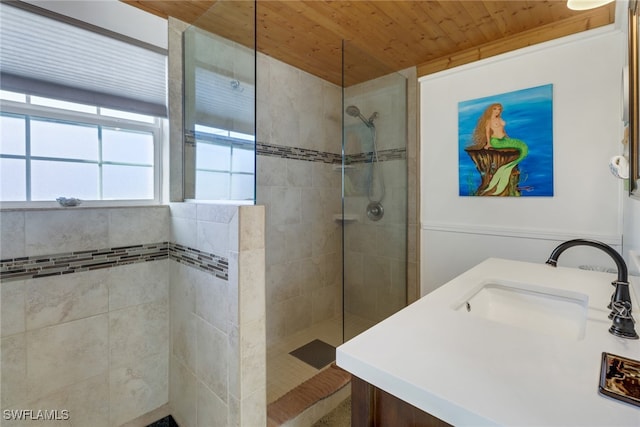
381	257
299	137
217	353
85	326
111	313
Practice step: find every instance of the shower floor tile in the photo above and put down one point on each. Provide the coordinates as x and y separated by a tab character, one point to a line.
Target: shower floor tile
285	372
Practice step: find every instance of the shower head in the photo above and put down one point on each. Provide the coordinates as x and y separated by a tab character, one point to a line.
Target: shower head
354	111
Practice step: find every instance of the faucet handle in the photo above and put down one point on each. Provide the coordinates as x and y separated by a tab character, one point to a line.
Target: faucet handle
621	294
621	309
623	323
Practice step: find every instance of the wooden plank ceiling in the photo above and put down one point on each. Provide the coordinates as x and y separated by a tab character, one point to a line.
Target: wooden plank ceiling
431	35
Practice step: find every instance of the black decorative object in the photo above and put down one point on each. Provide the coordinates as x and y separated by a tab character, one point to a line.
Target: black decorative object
620	378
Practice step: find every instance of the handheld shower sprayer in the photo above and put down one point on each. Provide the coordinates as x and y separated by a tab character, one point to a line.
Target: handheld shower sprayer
354	111
375	210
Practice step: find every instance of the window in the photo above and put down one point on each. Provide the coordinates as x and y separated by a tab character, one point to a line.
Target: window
82	110
51	148
225	164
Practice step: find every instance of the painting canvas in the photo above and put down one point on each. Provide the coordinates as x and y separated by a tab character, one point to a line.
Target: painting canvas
505	144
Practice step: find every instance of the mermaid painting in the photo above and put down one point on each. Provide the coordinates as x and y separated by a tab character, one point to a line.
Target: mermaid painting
490	134
505	144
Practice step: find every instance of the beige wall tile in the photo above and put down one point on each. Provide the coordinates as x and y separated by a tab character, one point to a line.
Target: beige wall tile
12	240
184	231
298	241
13	371
213	237
64	354
183	210
211	410
297	313
285	206
137	332
61	231
87	403
253	409
212	300
127	226
138	283
283	282
252	356
251	227
324	304
211	212
233	412
12	308
182	394
251	286
183	320
212	359
138	387
272	172
275	243
58	299
234	365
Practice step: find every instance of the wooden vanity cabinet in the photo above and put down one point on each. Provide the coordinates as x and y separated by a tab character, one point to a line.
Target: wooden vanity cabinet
372	407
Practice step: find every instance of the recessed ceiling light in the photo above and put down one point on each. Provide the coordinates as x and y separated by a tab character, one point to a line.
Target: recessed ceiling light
586	4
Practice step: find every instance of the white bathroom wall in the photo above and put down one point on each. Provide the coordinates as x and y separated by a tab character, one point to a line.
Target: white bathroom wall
632	234
112	15
631	205
458	232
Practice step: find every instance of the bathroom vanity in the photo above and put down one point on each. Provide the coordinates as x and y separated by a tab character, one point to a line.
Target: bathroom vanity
506	343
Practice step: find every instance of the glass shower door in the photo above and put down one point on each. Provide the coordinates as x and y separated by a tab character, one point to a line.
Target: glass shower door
374	191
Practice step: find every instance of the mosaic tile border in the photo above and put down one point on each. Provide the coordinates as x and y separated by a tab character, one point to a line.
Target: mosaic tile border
295	153
34	267
383	156
204	261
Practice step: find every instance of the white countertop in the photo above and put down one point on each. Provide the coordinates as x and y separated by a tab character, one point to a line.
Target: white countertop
468	370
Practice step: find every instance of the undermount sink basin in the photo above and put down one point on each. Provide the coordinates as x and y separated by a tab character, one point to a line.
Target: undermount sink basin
531	307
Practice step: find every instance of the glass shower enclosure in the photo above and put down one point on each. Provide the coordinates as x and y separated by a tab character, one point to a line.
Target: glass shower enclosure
374	191
220	104
331	171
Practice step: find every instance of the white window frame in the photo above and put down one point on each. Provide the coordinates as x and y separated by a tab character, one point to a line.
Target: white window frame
235	141
156	129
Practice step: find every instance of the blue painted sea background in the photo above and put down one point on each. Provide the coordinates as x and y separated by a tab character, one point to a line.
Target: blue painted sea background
528	114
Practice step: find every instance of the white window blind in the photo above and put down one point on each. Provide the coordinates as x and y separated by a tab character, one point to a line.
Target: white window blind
46	54
219	82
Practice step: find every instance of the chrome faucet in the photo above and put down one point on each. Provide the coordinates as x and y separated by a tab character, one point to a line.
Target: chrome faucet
620	305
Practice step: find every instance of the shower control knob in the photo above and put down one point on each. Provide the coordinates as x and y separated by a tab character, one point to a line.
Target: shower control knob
375	211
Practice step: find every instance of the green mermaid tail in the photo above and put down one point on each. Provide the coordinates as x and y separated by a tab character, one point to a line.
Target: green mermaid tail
502	176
